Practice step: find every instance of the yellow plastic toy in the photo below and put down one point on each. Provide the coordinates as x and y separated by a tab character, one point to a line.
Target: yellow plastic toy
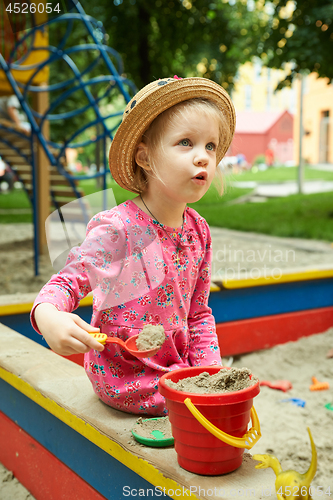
289	484
129	345
247	441
100	337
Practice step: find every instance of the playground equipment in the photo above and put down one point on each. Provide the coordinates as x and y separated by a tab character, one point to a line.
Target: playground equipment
26	71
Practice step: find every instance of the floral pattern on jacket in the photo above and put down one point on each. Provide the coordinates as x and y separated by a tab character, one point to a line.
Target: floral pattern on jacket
138	277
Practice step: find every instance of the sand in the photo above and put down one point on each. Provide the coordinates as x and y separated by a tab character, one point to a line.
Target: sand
11	488
225	380
283	424
236	254
145	427
151	336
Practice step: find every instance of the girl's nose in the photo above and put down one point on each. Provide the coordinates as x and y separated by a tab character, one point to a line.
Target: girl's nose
201	158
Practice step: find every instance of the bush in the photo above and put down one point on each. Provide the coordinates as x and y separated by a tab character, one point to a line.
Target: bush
259	159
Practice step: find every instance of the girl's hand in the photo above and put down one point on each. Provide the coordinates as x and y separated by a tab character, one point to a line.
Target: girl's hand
65	333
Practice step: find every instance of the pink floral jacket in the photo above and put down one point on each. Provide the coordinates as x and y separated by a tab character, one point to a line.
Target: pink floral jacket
131	265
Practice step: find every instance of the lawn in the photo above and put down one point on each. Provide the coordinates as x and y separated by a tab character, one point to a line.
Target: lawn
15	207
281	174
299	216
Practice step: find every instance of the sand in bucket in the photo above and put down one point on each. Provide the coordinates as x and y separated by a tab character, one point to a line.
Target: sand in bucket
198	450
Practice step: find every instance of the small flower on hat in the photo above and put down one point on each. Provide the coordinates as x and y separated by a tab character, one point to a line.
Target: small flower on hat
177	77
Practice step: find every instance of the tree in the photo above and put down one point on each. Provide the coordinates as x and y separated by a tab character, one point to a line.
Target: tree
184	37
158	38
298	32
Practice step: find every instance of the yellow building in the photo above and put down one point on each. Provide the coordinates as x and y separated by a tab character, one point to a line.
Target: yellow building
317	121
255	86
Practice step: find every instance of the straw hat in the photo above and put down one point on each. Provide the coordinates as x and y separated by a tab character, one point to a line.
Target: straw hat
150	102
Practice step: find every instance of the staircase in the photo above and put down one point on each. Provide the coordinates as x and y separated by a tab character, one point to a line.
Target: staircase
16	150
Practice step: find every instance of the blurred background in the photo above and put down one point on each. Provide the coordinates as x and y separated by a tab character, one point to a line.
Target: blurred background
70	72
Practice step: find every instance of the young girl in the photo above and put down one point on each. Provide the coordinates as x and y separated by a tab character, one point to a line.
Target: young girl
147	260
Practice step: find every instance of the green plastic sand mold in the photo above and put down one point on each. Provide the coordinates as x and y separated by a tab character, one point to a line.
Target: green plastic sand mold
158	439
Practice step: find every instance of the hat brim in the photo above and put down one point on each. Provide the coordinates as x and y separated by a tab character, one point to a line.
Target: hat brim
152	103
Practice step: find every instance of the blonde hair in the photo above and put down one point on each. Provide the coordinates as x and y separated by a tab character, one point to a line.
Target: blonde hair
152	137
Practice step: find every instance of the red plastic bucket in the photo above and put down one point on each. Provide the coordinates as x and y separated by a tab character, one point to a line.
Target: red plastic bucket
198	450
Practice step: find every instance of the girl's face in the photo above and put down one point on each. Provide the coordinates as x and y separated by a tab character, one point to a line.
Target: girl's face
185	159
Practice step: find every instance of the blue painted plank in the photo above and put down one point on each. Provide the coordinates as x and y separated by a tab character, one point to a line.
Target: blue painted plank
230	305
254	302
21	323
100	470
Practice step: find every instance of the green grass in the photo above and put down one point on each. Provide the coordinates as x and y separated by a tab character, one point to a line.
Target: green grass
299	216
211	197
280	174
16	199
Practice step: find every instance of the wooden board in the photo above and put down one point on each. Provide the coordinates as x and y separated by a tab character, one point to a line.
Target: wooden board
49	388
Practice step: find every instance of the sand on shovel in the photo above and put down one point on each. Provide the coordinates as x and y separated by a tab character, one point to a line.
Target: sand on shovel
151	336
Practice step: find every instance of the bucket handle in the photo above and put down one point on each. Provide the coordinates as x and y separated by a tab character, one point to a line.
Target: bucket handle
247	441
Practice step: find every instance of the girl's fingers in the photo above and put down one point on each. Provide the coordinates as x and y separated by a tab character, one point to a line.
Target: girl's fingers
78	346
86	340
85	326
83	335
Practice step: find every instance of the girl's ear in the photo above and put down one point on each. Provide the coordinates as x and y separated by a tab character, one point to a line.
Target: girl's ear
141	156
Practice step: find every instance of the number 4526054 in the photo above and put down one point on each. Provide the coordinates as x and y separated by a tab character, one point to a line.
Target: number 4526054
296	491
26	8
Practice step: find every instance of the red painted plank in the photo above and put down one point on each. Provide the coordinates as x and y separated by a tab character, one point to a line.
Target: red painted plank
237	337
248	335
44	475
76	358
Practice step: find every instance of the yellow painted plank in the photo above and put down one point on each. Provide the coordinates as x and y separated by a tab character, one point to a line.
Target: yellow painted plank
284	278
10	309
136	464
87	301
313	274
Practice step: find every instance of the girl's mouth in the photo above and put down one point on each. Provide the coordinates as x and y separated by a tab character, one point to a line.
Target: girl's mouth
200	179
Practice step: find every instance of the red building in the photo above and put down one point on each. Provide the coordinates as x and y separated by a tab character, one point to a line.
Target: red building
258	132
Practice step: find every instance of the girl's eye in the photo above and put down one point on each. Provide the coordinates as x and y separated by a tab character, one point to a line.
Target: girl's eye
211	146
184	142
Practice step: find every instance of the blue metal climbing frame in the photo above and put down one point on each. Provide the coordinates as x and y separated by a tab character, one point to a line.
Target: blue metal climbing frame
79	81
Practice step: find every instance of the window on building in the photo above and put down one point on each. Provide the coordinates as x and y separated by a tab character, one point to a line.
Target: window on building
248	96
257	70
324	133
268	98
